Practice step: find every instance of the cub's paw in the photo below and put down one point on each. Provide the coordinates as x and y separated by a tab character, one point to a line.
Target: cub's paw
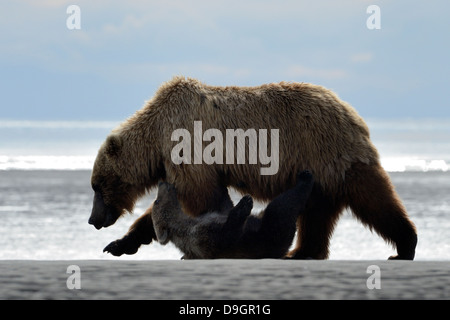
240	212
245	204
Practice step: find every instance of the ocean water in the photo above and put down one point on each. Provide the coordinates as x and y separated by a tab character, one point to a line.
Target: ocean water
46	198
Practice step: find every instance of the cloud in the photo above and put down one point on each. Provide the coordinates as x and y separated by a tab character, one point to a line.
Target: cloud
131	47
299	71
47	3
362	57
147	71
129	23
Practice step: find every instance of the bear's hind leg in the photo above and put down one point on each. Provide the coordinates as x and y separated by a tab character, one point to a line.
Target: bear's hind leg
315	226
373	200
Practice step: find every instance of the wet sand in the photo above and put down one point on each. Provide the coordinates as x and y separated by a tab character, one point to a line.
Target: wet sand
224	279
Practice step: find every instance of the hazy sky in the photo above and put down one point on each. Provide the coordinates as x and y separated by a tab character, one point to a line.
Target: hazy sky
126	49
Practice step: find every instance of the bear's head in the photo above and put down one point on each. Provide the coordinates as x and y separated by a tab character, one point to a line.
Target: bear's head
112	181
165	210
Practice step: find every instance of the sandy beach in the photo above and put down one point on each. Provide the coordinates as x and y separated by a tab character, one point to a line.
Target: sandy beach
224	279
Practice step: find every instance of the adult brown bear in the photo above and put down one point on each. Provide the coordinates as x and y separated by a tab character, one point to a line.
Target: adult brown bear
316	129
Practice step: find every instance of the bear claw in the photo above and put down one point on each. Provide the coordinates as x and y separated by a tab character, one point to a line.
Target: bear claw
121	246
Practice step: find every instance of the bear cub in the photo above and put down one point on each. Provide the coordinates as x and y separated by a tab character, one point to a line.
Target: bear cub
234	233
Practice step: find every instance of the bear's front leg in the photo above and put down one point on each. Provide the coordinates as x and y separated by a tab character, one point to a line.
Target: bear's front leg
141	232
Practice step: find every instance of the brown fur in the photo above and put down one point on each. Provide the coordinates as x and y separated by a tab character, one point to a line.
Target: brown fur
318	131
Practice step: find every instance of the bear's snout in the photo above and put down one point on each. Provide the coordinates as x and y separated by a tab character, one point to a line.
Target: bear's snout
101	215
95	222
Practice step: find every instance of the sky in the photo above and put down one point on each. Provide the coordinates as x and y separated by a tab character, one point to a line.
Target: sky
124	50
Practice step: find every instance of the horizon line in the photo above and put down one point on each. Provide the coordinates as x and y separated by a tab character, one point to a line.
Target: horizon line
406	123
59	124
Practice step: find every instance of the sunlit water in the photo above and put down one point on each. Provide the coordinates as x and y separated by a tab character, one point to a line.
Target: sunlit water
44	211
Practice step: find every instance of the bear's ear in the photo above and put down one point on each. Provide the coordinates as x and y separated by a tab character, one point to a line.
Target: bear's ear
113	145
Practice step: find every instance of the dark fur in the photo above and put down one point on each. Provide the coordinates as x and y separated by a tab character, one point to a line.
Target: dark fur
234	233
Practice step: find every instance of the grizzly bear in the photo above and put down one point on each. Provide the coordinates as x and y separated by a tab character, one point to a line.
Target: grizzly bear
232	234
316	131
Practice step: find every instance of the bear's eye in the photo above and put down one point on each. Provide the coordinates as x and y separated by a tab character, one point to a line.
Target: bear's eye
156	201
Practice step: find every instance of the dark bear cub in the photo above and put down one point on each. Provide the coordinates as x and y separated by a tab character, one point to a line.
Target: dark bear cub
234	233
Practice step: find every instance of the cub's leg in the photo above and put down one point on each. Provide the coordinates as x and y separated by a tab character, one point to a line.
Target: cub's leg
239	213
278	223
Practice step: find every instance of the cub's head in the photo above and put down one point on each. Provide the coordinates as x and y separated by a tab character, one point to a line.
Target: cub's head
116	190
165	210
